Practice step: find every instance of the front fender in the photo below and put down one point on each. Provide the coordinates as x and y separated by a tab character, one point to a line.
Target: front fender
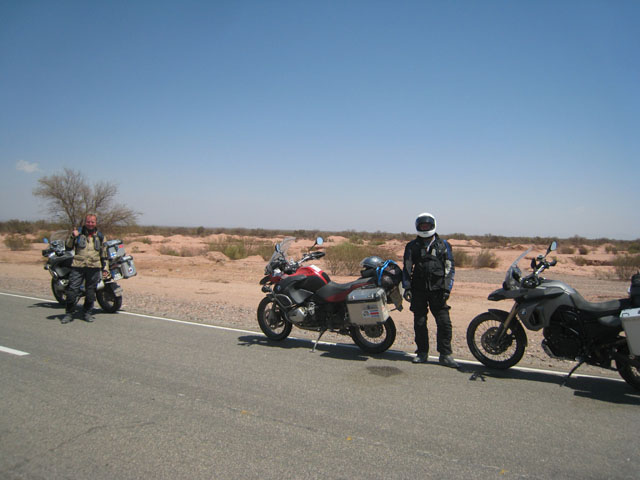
115	288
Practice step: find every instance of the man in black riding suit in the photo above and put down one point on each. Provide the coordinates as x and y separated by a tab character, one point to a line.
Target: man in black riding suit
88	261
427	277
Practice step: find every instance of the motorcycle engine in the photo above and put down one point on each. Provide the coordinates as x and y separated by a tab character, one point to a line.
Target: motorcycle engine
300	314
561	341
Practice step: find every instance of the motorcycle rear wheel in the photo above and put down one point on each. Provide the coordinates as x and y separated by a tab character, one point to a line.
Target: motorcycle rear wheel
60	292
271	320
108	300
628	372
375	338
480	339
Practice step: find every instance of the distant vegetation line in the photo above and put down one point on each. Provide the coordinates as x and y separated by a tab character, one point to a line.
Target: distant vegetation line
42	227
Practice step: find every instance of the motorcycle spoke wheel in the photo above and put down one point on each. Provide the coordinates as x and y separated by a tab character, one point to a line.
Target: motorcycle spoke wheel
630	373
109	302
482	341
375	338
272	321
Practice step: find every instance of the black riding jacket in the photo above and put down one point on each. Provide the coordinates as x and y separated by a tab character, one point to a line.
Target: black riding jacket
428	264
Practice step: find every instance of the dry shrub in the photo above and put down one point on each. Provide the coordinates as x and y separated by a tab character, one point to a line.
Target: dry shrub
345	258
485	259
626	265
17	242
462	259
239	248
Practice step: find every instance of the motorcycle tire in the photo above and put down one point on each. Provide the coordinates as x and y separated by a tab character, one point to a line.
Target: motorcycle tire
109	301
630	373
272	321
375	338
60	292
480	334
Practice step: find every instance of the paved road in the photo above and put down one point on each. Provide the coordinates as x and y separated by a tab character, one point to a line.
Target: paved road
135	397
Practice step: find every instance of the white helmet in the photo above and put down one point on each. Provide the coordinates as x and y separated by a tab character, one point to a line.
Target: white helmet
426	225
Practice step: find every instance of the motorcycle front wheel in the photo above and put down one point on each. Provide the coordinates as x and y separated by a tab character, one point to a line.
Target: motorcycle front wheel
272	321
374	338
481	339
630	373
60	292
108	300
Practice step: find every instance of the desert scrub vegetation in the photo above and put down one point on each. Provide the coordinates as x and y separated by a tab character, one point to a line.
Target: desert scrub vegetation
238	248
626	265
17	242
462	259
485	241
485	259
344	258
183	252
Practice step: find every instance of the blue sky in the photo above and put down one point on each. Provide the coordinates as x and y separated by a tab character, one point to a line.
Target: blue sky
503	117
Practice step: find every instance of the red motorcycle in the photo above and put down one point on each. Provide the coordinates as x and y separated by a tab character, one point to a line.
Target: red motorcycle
306	297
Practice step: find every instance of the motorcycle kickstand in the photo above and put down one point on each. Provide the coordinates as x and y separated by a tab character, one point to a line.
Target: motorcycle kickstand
315	344
581	361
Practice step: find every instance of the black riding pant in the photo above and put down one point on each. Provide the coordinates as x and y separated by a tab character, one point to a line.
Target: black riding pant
78	276
421	302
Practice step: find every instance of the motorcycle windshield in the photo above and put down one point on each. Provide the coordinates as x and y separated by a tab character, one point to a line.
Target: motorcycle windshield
280	253
510	279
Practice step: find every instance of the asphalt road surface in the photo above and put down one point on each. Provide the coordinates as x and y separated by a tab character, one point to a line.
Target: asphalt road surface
130	397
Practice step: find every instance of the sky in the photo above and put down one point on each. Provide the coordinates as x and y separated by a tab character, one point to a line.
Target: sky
517	118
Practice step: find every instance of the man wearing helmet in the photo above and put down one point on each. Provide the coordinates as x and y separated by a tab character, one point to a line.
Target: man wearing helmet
427	277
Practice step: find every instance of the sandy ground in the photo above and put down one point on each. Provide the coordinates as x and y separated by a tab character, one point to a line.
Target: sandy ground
210	288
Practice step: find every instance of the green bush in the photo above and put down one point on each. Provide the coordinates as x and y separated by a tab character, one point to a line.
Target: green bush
567	250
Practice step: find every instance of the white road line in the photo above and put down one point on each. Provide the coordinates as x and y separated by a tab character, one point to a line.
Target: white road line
230	329
12	351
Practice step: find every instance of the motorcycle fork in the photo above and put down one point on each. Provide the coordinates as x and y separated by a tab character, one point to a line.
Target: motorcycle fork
505	325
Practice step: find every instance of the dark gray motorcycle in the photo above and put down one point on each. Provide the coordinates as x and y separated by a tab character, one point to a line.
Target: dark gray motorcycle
599	334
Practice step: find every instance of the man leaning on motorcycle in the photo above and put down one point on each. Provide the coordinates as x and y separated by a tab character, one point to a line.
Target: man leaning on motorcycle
88	261
427	278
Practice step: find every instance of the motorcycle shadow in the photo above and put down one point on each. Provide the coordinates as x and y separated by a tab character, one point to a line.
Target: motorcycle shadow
596	388
338	351
52	305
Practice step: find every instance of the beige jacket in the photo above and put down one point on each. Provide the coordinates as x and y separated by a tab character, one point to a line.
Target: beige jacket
89	251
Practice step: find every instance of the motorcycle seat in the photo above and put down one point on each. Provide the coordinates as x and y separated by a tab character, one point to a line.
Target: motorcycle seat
600	309
337	292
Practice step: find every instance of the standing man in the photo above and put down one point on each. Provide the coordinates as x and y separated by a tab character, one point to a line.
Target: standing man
88	261
427	277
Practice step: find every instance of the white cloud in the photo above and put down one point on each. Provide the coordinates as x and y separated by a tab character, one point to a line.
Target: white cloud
27	167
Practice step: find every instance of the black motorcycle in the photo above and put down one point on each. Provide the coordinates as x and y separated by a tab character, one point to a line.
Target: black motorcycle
108	292
573	328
